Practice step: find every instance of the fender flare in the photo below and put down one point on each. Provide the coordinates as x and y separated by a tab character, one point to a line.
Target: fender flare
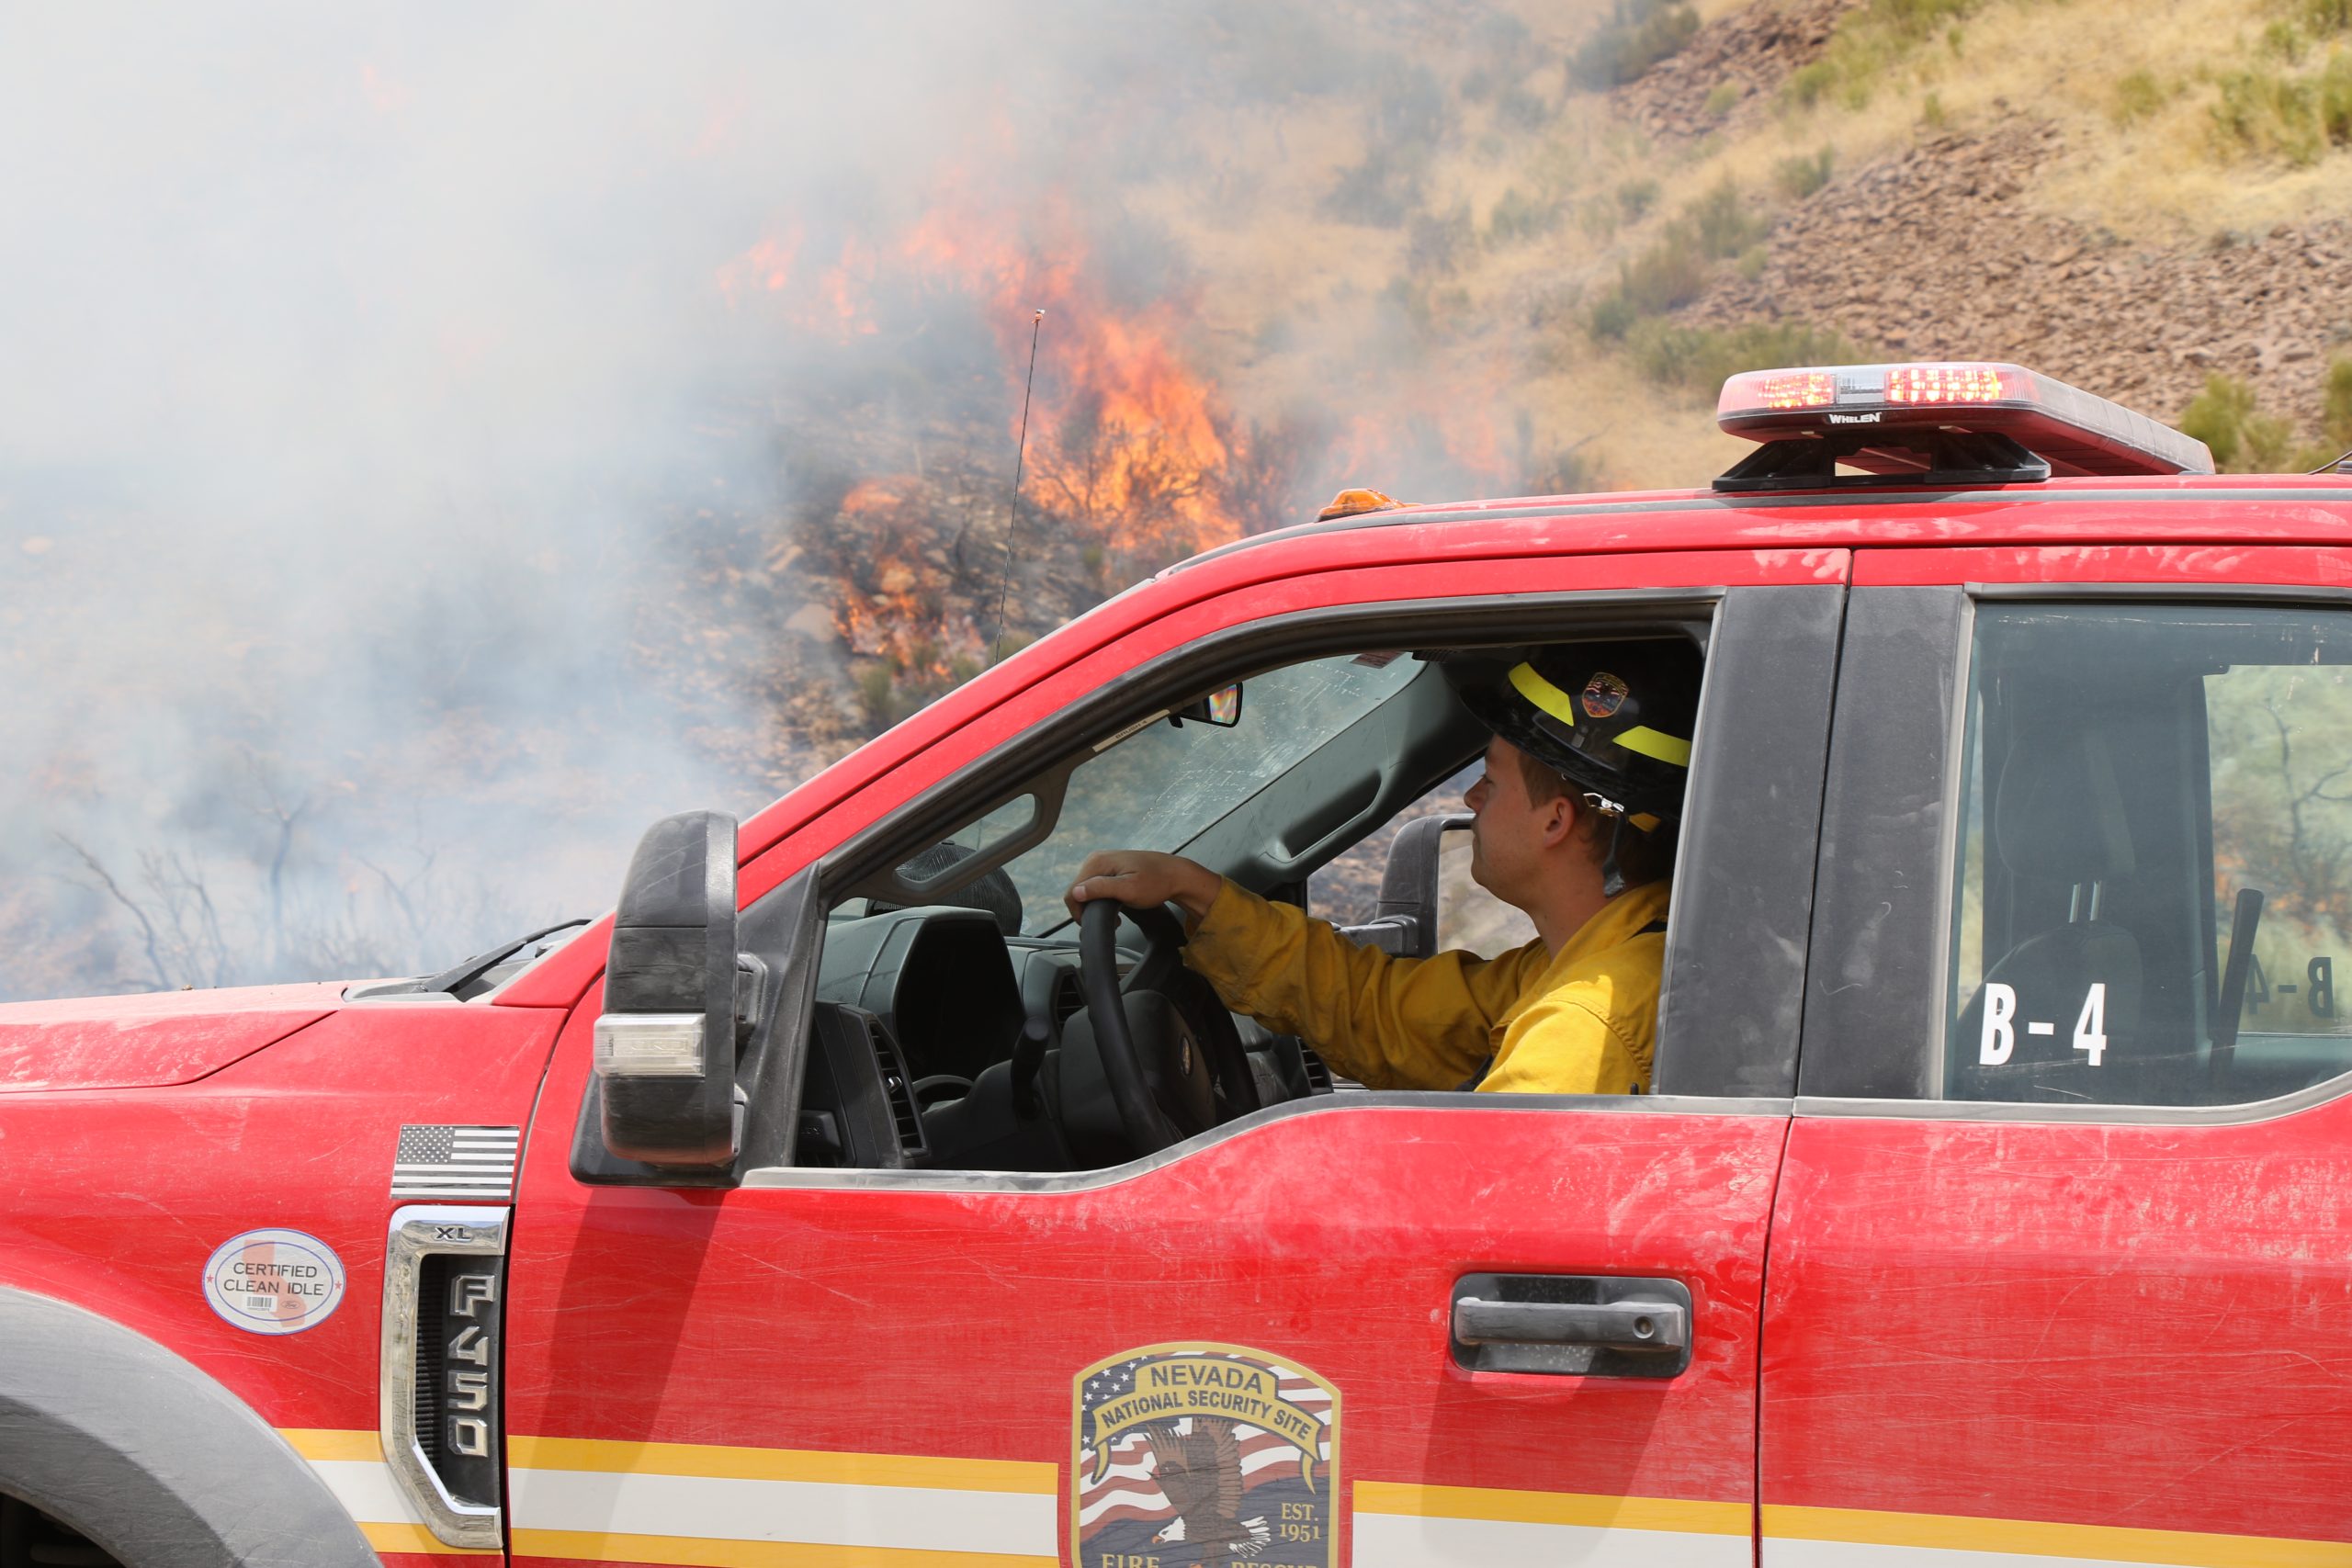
109	1432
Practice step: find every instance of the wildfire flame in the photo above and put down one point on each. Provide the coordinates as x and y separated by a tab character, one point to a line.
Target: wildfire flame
1125	438
1131	450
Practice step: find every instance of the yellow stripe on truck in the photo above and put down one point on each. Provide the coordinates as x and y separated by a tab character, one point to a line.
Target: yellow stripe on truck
593	1546
817	1465
332	1443
1934	1535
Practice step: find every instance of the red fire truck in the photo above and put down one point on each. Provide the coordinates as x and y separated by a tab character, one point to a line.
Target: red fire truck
838	1201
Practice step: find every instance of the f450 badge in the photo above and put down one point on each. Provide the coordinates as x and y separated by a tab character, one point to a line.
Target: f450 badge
1207	1454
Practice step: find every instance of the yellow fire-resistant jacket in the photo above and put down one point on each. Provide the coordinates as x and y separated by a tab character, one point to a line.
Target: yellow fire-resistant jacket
1584	1021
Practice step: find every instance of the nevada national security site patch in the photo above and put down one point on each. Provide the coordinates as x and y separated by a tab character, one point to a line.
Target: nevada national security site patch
1207	1454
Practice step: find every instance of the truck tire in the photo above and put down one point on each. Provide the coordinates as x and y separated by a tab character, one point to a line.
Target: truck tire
112	1434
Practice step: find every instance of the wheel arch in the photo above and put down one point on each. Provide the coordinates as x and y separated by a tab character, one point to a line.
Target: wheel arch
151	1459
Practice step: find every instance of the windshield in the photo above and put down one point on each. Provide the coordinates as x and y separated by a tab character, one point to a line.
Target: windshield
1162	787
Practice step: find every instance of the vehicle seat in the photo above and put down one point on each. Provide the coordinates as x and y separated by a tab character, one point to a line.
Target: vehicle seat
2058	818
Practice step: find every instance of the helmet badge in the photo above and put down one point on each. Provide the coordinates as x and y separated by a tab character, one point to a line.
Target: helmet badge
1603	695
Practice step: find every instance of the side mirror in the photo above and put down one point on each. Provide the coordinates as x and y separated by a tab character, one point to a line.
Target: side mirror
1221	707
1429	903
1411	888
665	1045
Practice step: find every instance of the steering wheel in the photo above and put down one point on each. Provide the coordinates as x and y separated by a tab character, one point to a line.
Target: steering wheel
1173	1059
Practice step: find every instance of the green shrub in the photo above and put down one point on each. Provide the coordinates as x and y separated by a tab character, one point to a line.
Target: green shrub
2263	112
2243	439
2336	100
1720	225
1636	197
1666	277
1519	109
1435	241
2138	95
1517	216
1721	101
1565	472
1869	42
1811	81
1799	176
2323	17
2335	402
1702	358
1675	269
1639	34
1406	120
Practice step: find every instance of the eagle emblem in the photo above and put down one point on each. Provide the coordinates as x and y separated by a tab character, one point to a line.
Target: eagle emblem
1197	1466
1203	1454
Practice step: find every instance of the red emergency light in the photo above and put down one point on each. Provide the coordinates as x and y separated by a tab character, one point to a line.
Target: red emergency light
1946	422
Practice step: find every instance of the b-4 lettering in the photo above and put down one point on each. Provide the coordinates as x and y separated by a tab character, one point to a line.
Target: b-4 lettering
471	1345
469	1435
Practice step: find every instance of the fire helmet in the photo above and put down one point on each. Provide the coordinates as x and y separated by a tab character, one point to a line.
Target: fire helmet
1613	718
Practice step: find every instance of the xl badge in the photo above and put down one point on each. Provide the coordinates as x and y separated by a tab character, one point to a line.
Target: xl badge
1207	1454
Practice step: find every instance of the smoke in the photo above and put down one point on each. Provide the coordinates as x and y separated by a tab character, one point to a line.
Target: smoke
407	415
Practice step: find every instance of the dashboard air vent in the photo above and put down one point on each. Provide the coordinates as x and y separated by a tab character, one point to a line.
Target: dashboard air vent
1069	998
1318	1072
894	1083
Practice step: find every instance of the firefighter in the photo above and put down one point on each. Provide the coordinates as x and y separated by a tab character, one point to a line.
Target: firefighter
1574	824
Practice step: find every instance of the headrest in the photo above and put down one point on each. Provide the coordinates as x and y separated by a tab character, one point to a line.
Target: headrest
2059	815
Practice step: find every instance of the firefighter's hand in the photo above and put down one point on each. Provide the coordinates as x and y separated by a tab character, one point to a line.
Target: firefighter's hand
1140	878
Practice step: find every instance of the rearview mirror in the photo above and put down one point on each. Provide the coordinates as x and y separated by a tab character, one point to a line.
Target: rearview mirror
1221	707
666	1042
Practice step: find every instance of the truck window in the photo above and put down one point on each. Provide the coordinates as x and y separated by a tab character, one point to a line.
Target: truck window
2153	882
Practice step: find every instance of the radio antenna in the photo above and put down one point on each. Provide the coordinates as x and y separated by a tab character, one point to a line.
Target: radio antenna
1020	455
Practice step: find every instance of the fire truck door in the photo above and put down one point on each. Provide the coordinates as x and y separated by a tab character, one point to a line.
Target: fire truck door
2059	1262
1385	1328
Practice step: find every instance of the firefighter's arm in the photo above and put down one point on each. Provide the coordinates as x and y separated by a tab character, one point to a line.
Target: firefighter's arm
1389	1022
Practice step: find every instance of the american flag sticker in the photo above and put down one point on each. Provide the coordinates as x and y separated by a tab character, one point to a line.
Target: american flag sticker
1208	1454
456	1162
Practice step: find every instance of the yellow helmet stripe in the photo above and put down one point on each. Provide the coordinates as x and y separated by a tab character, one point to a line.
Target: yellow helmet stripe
1640	739
1543	695
1656	743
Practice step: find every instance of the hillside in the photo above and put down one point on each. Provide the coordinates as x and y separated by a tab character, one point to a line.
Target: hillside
2134	197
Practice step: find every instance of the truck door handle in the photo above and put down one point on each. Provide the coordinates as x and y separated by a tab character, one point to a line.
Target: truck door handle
1576	1325
1638	1328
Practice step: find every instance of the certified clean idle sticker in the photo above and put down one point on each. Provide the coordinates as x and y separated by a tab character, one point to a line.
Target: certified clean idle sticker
1199	1453
274	1281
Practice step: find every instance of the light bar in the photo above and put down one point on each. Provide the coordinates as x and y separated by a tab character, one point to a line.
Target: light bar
2073	431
